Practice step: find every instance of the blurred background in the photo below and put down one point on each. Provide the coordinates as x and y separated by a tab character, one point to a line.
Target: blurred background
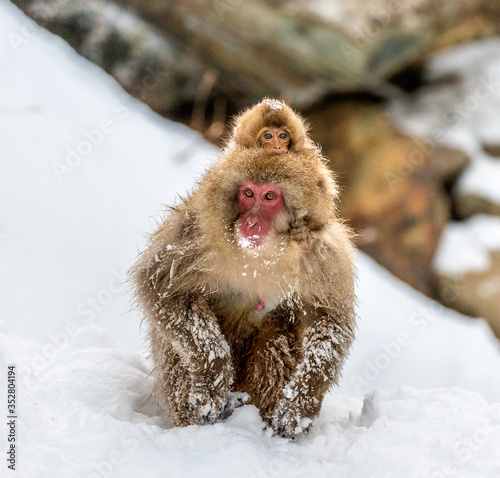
403	97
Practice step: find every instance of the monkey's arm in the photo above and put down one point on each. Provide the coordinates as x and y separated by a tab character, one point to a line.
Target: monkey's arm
193	366
192	362
322	348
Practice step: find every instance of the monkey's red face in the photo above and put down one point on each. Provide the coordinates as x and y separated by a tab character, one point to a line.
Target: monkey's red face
276	139
259	205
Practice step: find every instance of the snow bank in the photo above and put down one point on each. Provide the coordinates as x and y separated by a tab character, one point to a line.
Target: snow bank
83	169
88	415
466	245
406	338
83	166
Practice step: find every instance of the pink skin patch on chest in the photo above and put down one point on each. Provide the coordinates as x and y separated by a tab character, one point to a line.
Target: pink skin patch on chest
260	306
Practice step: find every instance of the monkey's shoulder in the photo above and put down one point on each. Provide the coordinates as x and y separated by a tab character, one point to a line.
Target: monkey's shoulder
329	256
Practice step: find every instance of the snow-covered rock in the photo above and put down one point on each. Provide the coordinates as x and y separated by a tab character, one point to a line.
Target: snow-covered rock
463	112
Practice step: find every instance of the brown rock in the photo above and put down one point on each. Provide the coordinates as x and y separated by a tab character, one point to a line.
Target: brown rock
299	51
491	149
467	204
393	186
476	293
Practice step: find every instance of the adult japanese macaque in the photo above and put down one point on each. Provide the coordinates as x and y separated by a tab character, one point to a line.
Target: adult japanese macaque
270	124
248	286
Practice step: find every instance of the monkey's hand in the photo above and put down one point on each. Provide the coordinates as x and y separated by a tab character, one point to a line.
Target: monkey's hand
296	411
298	228
234	400
207	397
323	347
195	372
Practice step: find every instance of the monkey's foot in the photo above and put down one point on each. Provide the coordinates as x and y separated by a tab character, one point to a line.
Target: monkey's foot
234	400
289	424
295	413
203	409
208	393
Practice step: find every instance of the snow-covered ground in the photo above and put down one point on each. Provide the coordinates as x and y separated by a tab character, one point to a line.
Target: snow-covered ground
83	168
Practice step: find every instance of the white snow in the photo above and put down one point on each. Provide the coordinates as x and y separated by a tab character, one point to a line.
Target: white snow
364	21
273	104
465	246
482	178
420	394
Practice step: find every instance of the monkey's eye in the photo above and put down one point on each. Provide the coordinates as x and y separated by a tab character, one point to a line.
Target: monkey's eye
248	193
283	135
267	136
270	196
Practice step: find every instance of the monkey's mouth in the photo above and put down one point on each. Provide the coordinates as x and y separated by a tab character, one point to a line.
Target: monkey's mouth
250	242
252	235
249	236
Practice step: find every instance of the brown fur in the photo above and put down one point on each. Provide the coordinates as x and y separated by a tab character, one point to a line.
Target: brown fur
199	289
268	113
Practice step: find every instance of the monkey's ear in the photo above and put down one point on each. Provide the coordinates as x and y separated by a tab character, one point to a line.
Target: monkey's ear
298	129
237	135
243	134
298	141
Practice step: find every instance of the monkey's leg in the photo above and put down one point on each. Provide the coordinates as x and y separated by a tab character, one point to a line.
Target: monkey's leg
269	367
323	347
193	367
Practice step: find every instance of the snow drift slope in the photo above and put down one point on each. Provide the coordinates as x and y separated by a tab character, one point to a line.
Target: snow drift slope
82	167
88	415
